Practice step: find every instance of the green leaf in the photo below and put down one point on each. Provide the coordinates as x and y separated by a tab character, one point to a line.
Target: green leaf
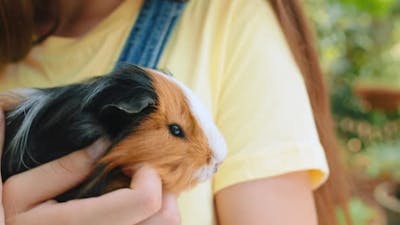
374	7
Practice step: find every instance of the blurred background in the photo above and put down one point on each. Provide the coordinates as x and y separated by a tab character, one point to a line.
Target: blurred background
359	46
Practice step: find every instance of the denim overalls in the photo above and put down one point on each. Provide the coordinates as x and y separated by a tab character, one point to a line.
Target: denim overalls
150	33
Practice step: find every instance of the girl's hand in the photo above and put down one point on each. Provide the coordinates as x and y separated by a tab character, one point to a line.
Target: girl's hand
26	196
168	215
2	125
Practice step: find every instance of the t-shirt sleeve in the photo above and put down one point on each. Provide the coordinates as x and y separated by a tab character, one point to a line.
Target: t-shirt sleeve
263	108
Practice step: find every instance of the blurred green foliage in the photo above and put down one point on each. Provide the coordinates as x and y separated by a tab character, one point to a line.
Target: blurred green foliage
357	207
384	152
373	7
359	44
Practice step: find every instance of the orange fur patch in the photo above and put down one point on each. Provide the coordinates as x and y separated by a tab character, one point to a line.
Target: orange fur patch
176	159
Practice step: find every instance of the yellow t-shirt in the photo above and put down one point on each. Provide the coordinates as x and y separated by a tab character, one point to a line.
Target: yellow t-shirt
233	55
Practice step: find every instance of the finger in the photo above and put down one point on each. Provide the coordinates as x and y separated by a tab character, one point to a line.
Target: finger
2	132
25	190
124	206
10	99
168	215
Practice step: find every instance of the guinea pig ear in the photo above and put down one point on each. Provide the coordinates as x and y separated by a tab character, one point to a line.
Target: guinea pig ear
117	116
130	107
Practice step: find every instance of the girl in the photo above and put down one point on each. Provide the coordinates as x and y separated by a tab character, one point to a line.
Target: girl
251	62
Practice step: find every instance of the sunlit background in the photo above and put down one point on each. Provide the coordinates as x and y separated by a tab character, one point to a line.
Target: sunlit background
359	46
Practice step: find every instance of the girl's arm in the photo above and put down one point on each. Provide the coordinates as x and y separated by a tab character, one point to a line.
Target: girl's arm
281	200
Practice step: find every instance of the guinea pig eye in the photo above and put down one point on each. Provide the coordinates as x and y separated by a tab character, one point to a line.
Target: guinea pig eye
176	130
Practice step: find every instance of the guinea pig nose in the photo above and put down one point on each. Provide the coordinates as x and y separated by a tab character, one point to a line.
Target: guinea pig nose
215	168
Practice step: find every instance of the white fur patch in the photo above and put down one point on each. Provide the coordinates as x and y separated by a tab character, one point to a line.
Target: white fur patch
215	139
35	100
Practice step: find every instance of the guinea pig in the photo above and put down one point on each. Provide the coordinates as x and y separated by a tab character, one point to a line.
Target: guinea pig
146	116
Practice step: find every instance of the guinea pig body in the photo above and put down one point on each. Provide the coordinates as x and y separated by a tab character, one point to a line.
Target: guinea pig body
147	117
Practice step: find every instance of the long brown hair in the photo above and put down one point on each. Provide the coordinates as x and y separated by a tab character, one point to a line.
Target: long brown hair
334	193
19	19
24	24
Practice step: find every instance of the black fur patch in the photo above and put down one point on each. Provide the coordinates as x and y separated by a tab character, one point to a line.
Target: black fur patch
71	117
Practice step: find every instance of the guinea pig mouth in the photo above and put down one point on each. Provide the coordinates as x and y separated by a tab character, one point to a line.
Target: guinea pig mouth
206	172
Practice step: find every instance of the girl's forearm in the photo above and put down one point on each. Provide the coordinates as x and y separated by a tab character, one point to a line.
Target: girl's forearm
281	200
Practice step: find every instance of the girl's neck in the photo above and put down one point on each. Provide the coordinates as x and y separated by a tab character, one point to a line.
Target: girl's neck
77	17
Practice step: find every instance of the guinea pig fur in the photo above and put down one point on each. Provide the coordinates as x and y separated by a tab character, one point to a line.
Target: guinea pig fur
145	115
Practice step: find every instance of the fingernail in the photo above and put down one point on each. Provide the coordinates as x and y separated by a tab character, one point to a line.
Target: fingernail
98	148
2	118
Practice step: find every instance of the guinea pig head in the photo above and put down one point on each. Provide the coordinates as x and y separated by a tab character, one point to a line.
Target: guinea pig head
179	138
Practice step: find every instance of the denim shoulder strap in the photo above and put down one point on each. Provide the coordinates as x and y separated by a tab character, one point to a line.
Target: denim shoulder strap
150	33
